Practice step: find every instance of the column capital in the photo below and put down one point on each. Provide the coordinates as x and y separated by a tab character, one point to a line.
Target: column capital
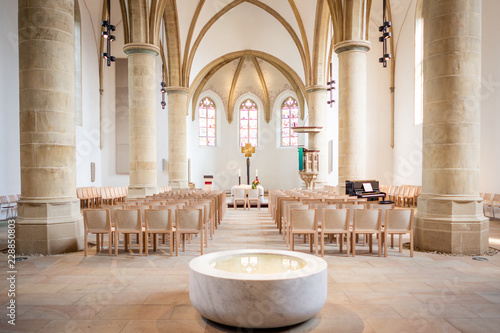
315	88
132	48
177	90
352	45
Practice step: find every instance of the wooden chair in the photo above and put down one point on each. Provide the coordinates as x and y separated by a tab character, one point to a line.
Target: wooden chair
128	221
253	195
399	222
188	221
288	206
96	197
304	221
210	218
368	222
495	203
335	222
240	196
98	222
204	209
487	203
159	221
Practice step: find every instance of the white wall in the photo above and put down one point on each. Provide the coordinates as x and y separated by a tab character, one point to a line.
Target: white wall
10	174
278	167
379	153
87	136
490	98
407	167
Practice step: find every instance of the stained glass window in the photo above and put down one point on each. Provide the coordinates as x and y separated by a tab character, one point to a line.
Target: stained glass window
289	119
206	122
248	123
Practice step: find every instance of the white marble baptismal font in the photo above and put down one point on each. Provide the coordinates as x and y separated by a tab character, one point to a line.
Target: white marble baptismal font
258	288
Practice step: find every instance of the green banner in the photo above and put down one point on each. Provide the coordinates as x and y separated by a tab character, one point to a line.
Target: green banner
301	158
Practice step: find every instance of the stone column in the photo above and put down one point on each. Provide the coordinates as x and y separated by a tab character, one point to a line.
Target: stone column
49	219
450	212
177	137
142	118
352	110
317	97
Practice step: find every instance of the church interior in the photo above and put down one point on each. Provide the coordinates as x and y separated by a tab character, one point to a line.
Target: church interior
206	126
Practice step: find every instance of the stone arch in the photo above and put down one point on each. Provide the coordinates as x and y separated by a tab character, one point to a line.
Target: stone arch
208	71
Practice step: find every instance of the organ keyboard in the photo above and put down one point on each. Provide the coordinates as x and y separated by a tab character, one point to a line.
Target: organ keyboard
364	189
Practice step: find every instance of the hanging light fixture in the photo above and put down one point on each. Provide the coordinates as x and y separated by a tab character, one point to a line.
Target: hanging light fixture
108	36
384	29
331	81
163	84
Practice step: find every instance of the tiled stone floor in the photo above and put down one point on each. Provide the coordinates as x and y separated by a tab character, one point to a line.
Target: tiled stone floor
131	293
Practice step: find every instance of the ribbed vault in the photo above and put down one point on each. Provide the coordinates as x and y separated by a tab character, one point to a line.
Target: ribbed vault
206	73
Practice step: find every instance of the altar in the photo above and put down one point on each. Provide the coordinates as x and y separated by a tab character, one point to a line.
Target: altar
259	187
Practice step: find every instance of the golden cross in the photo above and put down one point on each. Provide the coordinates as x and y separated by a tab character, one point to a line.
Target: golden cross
248	150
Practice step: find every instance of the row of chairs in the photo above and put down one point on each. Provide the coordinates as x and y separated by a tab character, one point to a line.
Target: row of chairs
282	202
8	204
175	217
490	203
403	195
92	197
337	222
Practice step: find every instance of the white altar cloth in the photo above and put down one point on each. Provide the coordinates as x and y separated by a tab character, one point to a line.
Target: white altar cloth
259	187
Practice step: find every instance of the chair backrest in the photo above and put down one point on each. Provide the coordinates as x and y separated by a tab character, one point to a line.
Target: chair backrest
97	220
367	219
383	208
399	219
158	219
487	198
352	208
142	208
112	209
203	209
208	208
303	219
335	219
253	193
289	205
239	193
496	199
128	219
189	219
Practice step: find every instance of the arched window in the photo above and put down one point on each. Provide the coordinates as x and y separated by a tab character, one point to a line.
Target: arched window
289	119
248	123
419	65
206	122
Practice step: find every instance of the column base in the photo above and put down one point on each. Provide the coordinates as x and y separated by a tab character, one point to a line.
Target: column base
178	184
50	227
141	191
453	225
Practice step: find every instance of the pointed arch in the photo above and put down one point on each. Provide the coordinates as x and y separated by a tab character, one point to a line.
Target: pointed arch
230	108
202	78
320	59
172	40
233	4
267	108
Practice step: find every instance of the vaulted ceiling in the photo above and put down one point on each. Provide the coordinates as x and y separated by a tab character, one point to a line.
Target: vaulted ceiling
199	38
